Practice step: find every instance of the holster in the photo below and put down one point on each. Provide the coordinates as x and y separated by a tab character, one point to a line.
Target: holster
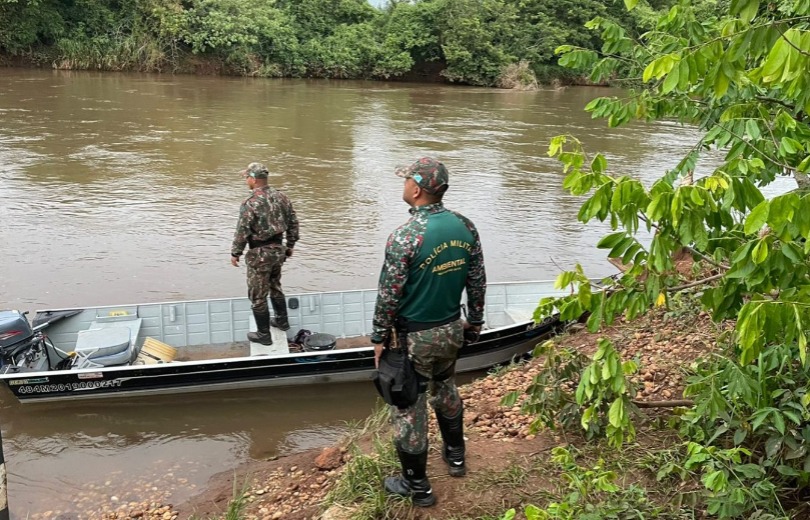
395	378
401	331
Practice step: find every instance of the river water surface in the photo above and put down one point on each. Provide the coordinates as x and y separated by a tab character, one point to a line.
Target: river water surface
120	188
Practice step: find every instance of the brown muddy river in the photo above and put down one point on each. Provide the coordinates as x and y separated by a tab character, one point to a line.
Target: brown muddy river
122	188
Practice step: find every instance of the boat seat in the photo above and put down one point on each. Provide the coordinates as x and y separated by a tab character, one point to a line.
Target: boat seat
154	352
107	343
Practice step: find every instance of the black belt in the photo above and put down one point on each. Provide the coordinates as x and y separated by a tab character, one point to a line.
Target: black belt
261	243
416	326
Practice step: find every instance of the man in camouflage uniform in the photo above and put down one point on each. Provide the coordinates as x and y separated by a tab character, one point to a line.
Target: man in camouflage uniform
429	261
265	219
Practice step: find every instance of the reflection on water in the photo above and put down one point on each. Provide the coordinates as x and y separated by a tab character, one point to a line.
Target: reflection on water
118	188
59	454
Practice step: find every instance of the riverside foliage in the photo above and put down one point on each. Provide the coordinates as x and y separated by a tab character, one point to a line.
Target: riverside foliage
465	41
741	73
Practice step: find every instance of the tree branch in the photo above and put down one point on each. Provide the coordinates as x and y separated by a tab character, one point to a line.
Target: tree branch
663	404
696	283
688	248
799	50
774	100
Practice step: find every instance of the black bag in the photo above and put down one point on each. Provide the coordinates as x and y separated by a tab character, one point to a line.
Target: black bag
395	378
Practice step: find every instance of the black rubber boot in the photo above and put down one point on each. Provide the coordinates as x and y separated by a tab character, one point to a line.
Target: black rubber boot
280	319
262	334
414	482
452	429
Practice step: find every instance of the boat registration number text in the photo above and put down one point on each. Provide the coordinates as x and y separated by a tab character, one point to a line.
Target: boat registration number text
68	387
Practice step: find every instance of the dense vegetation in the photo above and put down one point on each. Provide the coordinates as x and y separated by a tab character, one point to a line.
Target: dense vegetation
741	73
479	42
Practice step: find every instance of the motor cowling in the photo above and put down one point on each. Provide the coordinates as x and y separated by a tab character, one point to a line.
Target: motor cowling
14	329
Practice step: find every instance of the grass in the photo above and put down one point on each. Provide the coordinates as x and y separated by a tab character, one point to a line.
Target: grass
359	487
236	506
514	476
500	370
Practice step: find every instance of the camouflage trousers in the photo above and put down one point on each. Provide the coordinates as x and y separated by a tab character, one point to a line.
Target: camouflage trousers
434	353
264	274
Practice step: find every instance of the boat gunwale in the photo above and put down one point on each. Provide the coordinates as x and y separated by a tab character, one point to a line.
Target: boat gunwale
521	326
292	295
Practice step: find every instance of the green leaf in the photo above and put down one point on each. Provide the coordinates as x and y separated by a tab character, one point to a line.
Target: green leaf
630	4
721	85
510	399
787	471
760	252
587	416
649	70
671	82
752	129
616	413
509	515
779	422
532	512
695	196
775	62
715	481
757	218
599	163
749	10
610	241
759	418
793	416
789	146
773	445
750	470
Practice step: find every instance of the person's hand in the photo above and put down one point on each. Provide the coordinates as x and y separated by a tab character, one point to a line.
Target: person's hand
289	252
378	350
471	332
235	261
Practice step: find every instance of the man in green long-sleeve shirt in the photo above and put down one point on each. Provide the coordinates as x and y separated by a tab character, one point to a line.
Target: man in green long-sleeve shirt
266	219
429	261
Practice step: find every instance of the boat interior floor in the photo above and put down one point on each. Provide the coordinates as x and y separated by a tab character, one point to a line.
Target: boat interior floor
281	345
243	349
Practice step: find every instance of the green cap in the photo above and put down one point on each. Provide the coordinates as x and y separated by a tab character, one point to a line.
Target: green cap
429	174
256	170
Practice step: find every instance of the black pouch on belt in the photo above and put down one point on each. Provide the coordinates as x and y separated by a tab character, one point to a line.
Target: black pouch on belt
395	378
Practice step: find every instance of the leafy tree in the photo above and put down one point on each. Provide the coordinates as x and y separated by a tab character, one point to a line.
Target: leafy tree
350	52
473	39
740	72
313	19
411	36
217	24
24	23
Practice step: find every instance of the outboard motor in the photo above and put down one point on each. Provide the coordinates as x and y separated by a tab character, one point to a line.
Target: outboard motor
16	337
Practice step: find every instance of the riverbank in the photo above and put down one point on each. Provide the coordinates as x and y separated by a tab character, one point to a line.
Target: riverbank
509	464
458	42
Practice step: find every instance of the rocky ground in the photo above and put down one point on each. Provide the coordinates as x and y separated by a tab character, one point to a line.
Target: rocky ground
499	439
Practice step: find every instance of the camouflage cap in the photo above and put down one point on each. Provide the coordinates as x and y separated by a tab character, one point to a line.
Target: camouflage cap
429	174
256	170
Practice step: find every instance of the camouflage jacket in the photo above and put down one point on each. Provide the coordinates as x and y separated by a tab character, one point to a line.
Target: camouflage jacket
429	261
266	213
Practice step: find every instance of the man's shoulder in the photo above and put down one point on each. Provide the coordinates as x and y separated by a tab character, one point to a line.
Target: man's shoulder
462	218
415	222
408	231
277	195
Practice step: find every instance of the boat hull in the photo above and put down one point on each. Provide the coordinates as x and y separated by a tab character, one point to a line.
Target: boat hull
337	366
